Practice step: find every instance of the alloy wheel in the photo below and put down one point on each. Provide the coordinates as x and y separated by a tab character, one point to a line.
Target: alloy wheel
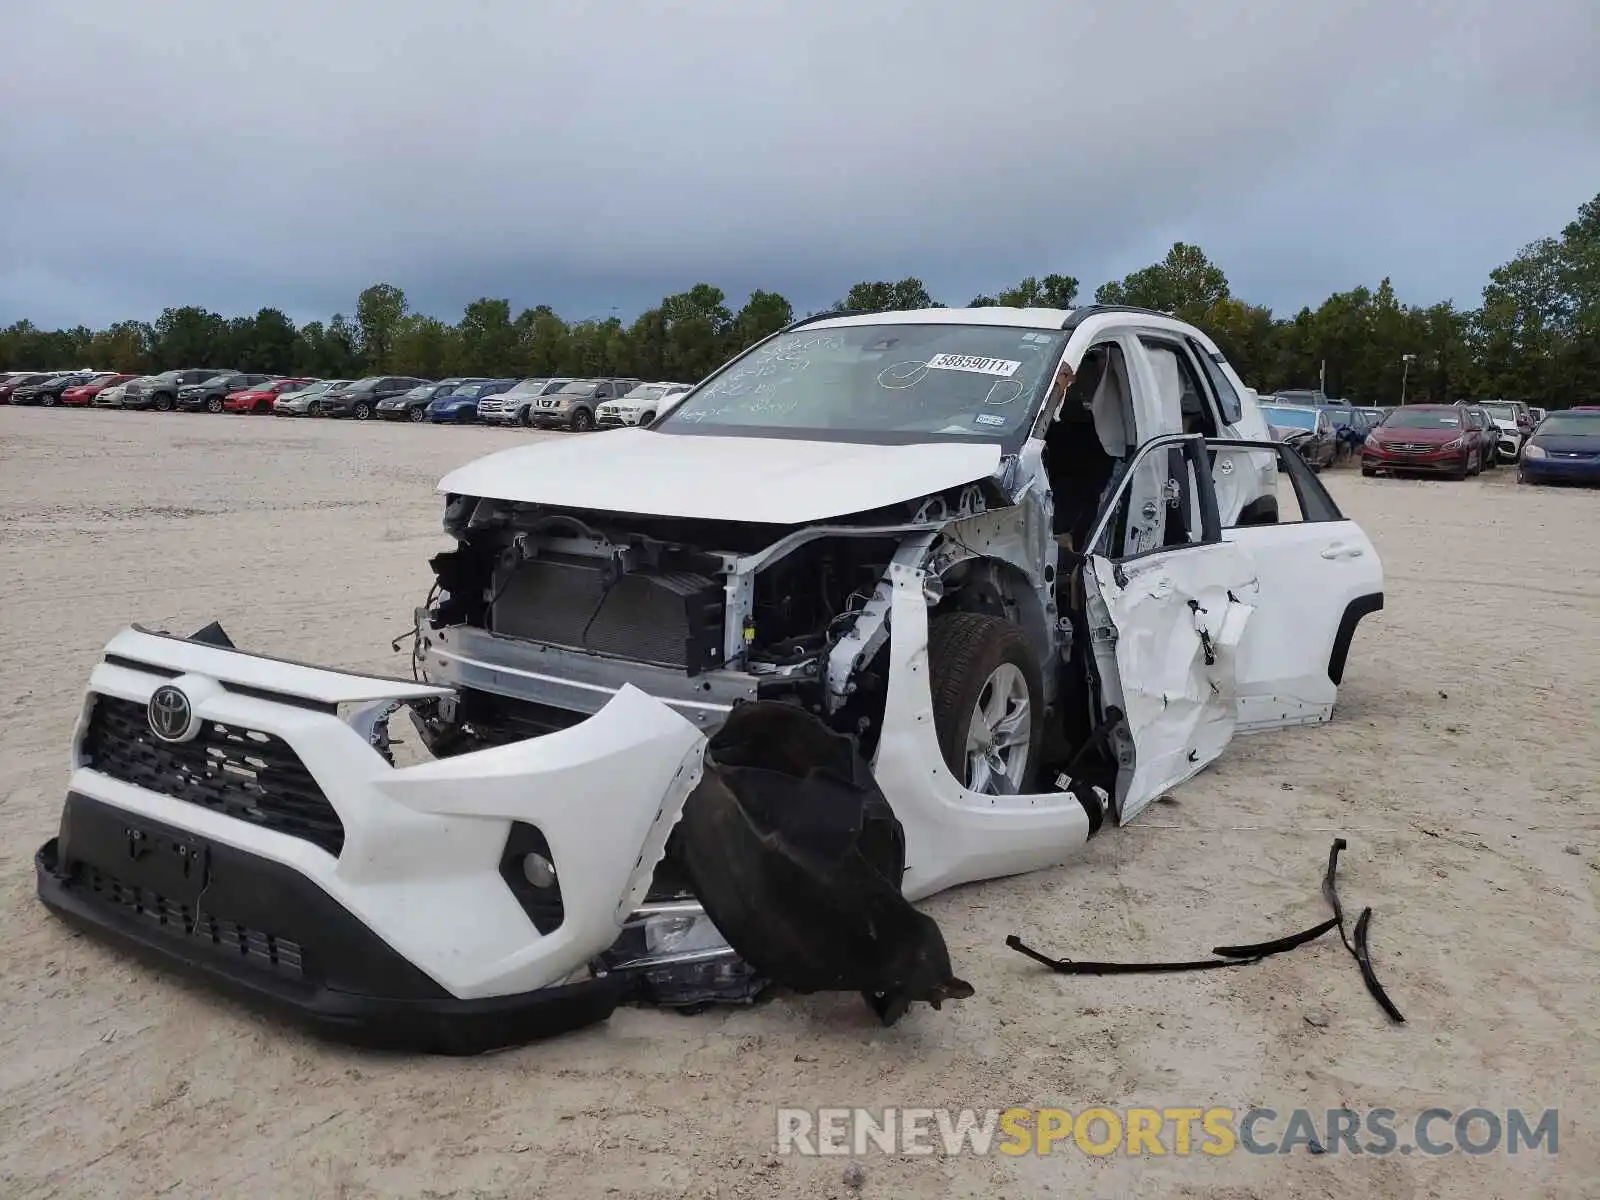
999	733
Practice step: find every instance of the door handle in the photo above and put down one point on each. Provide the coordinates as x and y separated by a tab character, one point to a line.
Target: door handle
1340	550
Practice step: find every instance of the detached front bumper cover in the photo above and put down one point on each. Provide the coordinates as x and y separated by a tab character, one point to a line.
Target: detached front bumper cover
267	843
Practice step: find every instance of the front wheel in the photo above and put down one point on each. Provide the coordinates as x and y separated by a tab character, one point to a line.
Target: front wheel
645	420
163	403
582	421
214	405
525	416
49	401
417	414
987	711
1368	472
362	410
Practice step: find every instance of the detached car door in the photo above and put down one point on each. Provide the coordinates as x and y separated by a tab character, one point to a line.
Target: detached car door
1317	575
1166	600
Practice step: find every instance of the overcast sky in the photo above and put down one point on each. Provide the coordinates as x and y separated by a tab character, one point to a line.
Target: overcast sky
591	155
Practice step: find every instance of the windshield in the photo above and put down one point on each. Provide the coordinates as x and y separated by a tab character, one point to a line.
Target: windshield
420	392
579	387
879	383
1571	424
1289	418
529	387
367	384
648	391
1339	416
1502	412
1423	418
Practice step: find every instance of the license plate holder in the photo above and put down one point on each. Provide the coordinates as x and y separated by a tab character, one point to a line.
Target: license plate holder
177	867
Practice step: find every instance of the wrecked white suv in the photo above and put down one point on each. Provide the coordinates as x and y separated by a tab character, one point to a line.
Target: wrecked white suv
891	602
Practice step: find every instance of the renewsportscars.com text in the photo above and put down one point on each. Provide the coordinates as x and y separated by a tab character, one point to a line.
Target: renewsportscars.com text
1178	1131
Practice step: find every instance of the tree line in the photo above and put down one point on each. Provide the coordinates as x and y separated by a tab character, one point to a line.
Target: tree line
1534	337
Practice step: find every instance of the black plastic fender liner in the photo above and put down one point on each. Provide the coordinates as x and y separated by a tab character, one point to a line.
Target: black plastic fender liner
797	858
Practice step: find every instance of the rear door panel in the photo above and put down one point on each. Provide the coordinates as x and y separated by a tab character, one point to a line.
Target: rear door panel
1308	575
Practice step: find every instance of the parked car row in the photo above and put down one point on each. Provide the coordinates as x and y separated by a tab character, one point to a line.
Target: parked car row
548	403
1456	440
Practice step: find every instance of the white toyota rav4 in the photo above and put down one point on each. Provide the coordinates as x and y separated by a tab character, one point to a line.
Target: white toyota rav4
888	603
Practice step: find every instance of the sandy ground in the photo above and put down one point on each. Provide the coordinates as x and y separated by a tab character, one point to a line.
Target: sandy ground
1462	766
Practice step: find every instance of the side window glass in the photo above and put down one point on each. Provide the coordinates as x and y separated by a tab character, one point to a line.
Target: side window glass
1227	398
1300	495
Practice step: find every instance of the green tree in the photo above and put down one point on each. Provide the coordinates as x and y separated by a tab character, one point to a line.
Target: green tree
190	337
762	315
423	346
488	339
541	341
379	311
1053	291
884	296
1185	283
125	346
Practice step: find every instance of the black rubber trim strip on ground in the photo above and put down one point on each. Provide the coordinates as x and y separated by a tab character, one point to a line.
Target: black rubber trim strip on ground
1241	956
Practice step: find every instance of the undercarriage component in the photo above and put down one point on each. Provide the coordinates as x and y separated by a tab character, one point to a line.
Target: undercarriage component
797	857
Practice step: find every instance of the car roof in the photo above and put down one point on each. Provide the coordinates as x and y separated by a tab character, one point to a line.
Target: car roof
1030	318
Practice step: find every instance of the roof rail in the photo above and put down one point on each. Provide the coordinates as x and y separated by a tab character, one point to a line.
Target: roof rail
824	316
1079	315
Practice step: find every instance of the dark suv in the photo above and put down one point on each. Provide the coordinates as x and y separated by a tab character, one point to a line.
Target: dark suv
573	406
360	399
160	392
210	394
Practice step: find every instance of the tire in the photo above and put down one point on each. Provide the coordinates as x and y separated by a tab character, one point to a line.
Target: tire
969	656
417	413
214	404
314	409
164	403
582	421
645	419
1368	472
1475	465
525	416
361	411
1463	470
49	401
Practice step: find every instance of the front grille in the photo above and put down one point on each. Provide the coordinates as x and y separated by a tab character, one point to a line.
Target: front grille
1412	447
243	773
222	936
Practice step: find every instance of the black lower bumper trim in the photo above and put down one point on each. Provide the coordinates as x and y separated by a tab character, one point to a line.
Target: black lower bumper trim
273	972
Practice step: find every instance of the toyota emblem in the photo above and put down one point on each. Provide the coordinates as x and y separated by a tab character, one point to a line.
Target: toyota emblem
170	714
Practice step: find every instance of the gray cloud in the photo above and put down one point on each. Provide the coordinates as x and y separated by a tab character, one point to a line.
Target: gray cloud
590	155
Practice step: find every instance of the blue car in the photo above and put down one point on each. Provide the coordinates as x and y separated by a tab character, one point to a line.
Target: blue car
1350	425
461	405
1565	448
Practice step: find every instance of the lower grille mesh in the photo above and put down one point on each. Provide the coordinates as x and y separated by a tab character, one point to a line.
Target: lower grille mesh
178	920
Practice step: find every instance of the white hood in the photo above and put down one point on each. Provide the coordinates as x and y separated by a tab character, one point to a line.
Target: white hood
766	480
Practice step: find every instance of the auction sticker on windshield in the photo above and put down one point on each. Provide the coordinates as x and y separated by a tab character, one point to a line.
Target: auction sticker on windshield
968	362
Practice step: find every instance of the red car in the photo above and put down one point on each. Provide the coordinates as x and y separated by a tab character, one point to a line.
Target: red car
86	392
1436	438
259	399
